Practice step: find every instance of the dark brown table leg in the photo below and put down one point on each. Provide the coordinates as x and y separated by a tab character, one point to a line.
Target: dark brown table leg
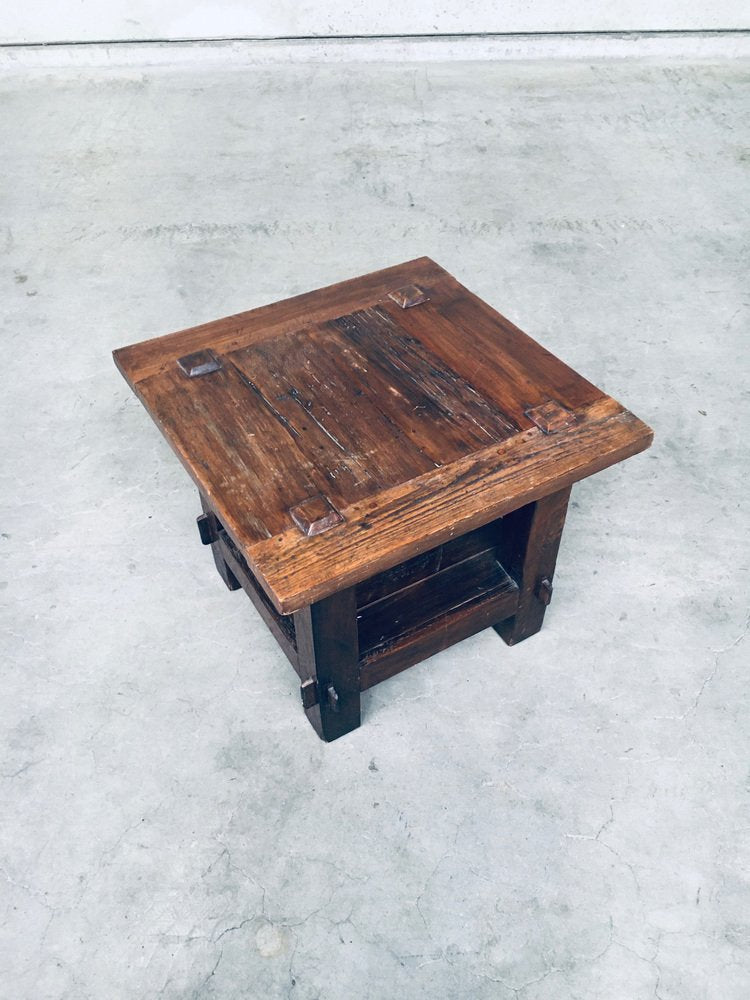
531	539
209	530
328	649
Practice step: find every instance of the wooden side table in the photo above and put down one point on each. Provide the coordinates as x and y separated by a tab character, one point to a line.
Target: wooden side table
384	468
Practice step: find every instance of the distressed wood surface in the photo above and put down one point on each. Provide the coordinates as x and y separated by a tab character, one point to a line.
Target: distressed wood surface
528	551
139	361
431	509
327	646
387	622
350	429
458	622
375	588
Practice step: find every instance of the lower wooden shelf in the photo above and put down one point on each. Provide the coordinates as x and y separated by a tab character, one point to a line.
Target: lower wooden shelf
412	611
419	620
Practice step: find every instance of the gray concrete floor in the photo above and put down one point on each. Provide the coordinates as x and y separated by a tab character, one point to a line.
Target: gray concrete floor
566	819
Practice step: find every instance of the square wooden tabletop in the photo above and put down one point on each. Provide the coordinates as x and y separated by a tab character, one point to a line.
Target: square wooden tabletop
340	432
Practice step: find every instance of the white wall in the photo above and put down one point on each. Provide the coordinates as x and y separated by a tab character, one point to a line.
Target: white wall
35	21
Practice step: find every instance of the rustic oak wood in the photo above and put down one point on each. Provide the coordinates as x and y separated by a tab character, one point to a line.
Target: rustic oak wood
384	467
234	571
435	507
529	553
375	588
411	422
327	645
214	531
433	613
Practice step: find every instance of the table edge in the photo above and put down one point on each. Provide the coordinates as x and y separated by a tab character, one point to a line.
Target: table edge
296	571
139	361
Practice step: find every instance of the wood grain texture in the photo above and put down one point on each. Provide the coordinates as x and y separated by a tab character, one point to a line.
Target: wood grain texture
427	563
327	646
457	623
139	361
386	622
528	551
412	423
499	360
430	509
214	530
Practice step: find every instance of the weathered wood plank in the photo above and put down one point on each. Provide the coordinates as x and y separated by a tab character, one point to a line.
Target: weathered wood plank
375	588
241	456
498	359
455	624
149	357
454	418
428	510
384	623
340	415
274	366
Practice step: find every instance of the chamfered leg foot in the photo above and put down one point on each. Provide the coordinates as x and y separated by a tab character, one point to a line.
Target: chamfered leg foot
328	649
531	540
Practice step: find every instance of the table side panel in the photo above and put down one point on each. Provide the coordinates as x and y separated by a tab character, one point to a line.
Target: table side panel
426	564
387	622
